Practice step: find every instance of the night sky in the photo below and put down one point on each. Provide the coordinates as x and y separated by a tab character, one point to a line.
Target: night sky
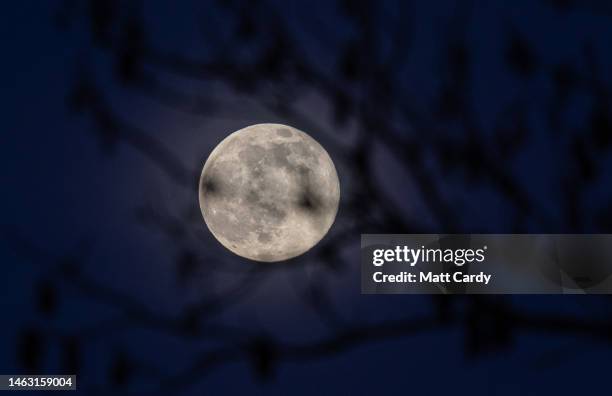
441	117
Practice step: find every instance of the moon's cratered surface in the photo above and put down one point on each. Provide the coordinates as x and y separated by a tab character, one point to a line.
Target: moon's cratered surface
269	192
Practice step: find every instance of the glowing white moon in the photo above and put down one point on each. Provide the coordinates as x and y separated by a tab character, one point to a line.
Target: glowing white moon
269	192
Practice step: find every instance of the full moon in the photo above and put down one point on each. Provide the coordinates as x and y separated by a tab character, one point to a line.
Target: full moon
269	192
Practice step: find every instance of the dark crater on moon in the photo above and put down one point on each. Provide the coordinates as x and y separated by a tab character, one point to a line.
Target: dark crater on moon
284	132
251	154
274	212
264	237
